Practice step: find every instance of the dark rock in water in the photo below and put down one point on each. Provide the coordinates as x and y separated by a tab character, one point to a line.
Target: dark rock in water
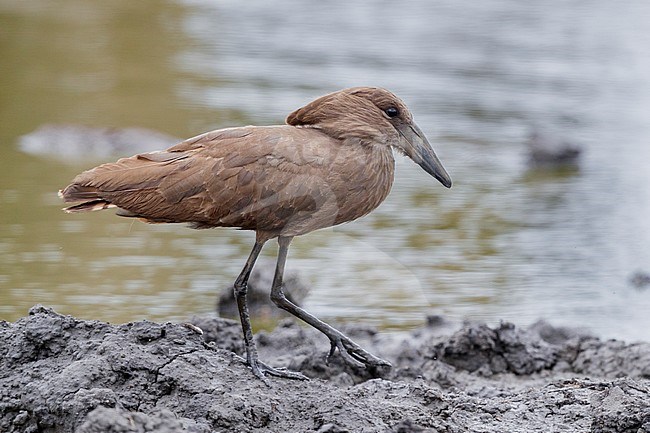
78	142
62	374
546	151
640	280
259	292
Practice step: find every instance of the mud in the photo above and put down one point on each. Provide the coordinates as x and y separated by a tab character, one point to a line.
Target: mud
62	374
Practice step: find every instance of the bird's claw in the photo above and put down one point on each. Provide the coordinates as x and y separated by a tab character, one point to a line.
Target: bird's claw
333	347
354	355
261	370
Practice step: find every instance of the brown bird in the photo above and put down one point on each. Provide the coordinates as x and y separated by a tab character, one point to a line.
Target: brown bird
331	163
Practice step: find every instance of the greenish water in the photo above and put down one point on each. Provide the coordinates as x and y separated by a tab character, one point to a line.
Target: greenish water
503	243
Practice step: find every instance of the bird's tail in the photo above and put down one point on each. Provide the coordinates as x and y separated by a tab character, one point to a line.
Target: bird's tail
147	186
89	196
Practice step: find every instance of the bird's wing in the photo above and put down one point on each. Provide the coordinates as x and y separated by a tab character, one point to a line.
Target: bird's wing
274	177
252	177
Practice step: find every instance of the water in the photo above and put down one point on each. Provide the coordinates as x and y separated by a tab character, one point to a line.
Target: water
504	243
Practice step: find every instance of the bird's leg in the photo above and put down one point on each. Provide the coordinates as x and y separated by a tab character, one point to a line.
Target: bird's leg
240	289
351	352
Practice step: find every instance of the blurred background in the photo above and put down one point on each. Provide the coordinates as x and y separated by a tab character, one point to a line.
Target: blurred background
509	241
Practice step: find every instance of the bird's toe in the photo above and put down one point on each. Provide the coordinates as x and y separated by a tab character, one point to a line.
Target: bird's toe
262	370
354	355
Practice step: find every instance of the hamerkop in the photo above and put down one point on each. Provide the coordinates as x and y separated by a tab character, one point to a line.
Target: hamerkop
331	163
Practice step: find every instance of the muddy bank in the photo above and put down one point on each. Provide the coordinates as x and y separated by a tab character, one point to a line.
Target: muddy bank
59	373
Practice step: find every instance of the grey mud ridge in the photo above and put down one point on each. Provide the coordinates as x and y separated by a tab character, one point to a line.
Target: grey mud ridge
62	374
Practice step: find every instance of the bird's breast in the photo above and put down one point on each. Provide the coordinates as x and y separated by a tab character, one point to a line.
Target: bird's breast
367	184
345	183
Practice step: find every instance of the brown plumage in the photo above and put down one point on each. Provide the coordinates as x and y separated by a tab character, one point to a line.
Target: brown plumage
332	163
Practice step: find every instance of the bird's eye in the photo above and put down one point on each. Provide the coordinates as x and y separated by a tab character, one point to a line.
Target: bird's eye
391	112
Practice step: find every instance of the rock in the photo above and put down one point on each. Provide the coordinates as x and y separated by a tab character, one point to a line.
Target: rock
622	407
479	348
611	359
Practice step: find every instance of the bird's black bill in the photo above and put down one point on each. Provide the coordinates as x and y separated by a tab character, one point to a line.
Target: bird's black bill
417	148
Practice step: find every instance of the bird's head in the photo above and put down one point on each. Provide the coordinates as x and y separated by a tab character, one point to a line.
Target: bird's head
371	114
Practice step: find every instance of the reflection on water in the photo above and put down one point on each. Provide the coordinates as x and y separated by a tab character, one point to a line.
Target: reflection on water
503	243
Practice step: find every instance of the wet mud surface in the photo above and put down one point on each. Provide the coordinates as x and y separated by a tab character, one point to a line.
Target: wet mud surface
62	374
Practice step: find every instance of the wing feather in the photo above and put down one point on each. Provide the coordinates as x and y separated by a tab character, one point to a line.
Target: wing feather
275	179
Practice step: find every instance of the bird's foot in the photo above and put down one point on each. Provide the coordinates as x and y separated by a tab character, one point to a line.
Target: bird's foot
353	354
261	370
